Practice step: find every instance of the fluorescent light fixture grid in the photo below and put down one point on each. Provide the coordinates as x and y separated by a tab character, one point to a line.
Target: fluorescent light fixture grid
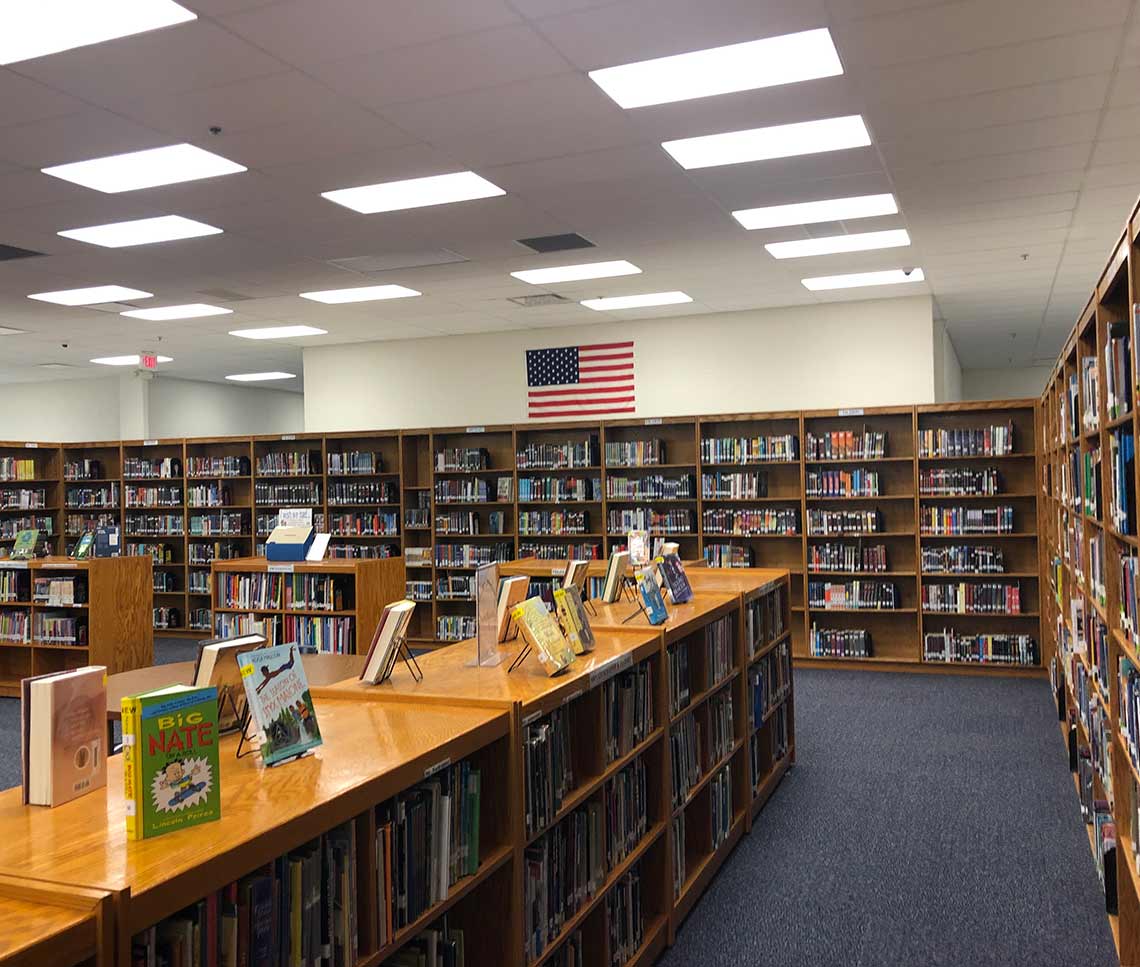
722	70
278	332
577	273
259	377
763	144
142	231
391	196
859	279
645	301
195	310
363	293
93	296
126	360
813	212
170	165
834	244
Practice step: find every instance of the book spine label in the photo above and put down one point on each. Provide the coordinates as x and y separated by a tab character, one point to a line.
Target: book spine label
130	768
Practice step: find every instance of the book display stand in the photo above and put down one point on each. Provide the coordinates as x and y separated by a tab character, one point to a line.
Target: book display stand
401	649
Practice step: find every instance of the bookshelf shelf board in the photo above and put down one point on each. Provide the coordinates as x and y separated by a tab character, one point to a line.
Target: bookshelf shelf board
981	614
36	930
706	778
217	507
211	538
364	537
656	533
697	700
1123	420
699	876
470	538
59	645
537	470
220	476
263	475
1012	495
12	482
1091	434
769	646
714	536
10	643
816	499
471	503
44	606
775	707
316	505
1129	539
750	463
1017	455
15	604
559	503
978	664
550	535
650	466
670	500
338	504
979	575
299	611
875	611
861	574
152	479
859	534
362	476
1126	646
855	460
474	473
89	480
1015	535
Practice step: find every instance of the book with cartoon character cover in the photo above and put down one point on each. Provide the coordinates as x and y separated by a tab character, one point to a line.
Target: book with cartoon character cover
170	759
279	701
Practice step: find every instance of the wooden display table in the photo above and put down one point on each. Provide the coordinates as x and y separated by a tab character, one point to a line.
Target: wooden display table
43	925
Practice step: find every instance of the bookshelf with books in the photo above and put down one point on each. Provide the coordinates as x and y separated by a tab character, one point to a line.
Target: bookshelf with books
288	472
92	489
416	463
30	494
362	494
57	613
324	606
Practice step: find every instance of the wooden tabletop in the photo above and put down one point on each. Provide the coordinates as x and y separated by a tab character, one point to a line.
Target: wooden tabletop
37	934
371	751
748	581
703	607
319	669
448	677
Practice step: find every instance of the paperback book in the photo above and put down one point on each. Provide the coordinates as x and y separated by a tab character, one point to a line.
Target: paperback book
541	632
676	580
279	702
25	545
651	599
573	619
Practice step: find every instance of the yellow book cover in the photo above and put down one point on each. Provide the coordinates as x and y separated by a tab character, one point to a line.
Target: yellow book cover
129	708
542	633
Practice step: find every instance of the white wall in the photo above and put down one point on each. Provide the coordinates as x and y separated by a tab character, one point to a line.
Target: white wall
1002	384
947	368
182	408
61	411
844	354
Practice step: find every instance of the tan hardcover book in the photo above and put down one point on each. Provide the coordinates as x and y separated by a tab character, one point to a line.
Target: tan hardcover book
64	735
217	665
611	589
540	630
512	592
389	630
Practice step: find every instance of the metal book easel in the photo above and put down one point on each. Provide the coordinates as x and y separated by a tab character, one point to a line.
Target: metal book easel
401	649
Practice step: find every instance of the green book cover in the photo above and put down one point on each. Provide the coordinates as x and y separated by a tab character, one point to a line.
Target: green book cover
25	545
177	752
279	701
84	545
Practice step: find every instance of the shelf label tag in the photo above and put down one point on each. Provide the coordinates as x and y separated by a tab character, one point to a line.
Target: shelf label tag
557	571
277	567
857	411
150	443
31	446
533	717
61	565
653	421
14	565
438	767
612	667
476	429
288	436
573	695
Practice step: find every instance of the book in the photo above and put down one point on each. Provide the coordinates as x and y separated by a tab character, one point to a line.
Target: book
170	759
389	632
638	547
673	571
63	734
541	632
107	543
651	598
512	592
615	571
572	617
217	665
279	701
575	575
84	546
25	545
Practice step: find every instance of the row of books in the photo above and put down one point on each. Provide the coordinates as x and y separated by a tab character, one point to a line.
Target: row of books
720	736
843	483
23	499
143	468
209	495
455	627
13	586
418	590
158	553
105	495
84	469
471	555
963	559
853	595
839	642
462	459
986	441
966	520
757	449
278	494
729	555
1122	479
626	802
12	526
560	488
1092	483
763	621
456	587
999	649
625	918
362	523
59	629
289	463
303	592
363	492
972	597
155	525
673	521
478	490
768	746
554	522
159	496
769	683
548	765
216	466
346	463
958	482
847	557
1129	715
356	551
684	757
199	581
209	525
1117	371
556	456
738	485
720	806
718	650
417	517
751	520
204	554
1090	393
654	486
846	445
1070	410
627	711
560	552
826	522
60	591
635	453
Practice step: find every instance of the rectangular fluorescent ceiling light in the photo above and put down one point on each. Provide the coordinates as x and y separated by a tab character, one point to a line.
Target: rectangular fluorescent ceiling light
577	273
145	169
859	279
362	293
259	377
96	295
35	28
142	231
637	301
195	310
393	196
279	332
722	70
863	242
6	331
812	212
762	144
126	360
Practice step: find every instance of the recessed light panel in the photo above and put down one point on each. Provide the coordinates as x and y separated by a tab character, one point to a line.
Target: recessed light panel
862	242
96	295
35	28
812	212
577	273
145	169
762	144
142	231
362	293
126	360
279	332
722	70
859	279
392	196
259	377
195	310
637	301
6	331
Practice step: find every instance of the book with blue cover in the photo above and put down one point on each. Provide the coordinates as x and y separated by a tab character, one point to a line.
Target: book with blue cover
676	580
651	598
279	701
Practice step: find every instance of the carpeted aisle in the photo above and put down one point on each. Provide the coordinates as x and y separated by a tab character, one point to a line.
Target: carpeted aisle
928	821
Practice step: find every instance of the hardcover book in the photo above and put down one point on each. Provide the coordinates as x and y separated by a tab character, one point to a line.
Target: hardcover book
170	760
279	701
63	735
390	629
25	545
673	571
84	546
638	545
615	571
572	616
217	665
541	632
512	592
651	598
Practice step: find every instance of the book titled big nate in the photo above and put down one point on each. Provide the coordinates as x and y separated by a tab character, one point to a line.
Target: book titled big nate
170	759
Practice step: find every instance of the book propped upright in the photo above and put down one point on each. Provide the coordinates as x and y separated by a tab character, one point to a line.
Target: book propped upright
573	619
217	665
387	638
512	592
84	546
279	702
637	543
541	632
63	735
615	571
677	581
575	576
24	548
651	599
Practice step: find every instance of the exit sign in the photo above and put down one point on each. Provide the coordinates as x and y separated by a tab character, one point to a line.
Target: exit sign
148	361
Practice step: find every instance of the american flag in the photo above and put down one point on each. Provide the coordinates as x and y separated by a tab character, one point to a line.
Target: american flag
580	380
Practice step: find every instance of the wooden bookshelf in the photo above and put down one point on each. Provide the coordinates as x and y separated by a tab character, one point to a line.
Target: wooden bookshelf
30	493
115	619
364	587
43	923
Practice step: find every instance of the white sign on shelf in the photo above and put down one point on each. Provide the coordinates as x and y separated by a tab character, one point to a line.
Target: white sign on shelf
280	567
653	421
438	767
14	565
295	517
288	436
476	429
31	446
857	411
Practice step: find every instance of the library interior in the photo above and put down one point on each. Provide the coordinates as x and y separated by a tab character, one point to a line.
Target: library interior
569	483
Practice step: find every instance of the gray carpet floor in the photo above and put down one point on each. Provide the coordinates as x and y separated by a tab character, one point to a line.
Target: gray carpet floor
928	821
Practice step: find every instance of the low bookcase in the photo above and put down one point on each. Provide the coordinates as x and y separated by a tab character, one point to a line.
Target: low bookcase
326	606
43	923
111	626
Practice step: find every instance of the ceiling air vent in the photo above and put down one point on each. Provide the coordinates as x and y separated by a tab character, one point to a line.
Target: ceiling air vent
367	264
825	229
555	243
227	295
536	301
